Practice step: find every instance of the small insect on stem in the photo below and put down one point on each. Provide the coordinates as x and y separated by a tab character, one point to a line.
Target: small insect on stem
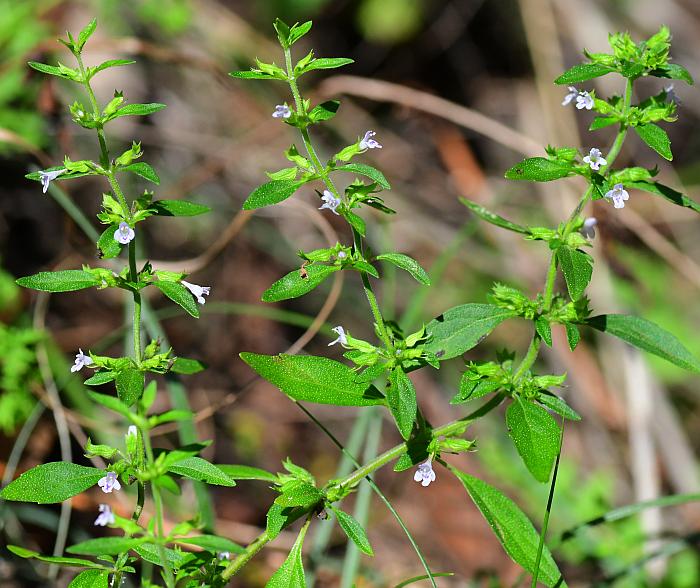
303	273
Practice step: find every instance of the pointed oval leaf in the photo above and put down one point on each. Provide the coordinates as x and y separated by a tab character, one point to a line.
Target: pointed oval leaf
366	170
245	472
298	282
582	72
61	281
669	194
138	109
314	379
324	111
647	336
178	208
212	543
179	295
90	579
271	193
556	404
327	63
401	398
196	468
106	545
656	138
51	482
354	531
538	169
130	384
108	246
409	264
577	267
62	561
493	218
291	574
142	169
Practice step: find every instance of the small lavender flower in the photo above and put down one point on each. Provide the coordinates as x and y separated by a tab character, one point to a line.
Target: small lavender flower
618	195
81	360
342	339
425	474
47	177
341	255
595	159
224	555
109	482
329	201
282	111
671	95
569	98
199	292
368	143
124	234
588	228
106	516
584	100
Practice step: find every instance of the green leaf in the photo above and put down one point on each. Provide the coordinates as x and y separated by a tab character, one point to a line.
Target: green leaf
51	482
61	72
271	193
187	367
401	398
106	545
61	281
63	561
674	72
324	111
212	543
471	390
314	379
110	402
366	170
245	472
600	122
327	63
669	194
107	245
582	72
558	405
460	328
142	169
407	263
512	528
301	494
90	579
536	436
130	383
85	34
178	208
538	169
577	267
572	335
544	329
646	336
107	64
179	295
251	75
298	31
656	138
291	574
138	110
353	530
151	554
298	282
196	468
492	218
277	518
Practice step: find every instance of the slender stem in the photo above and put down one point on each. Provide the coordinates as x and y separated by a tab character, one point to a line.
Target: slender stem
250	552
137	302
104	151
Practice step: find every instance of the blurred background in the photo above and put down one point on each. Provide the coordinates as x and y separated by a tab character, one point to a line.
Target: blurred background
457	91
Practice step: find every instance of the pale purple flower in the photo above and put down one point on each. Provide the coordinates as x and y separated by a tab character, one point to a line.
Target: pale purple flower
124	234
225	555
569	98
368	143
671	95
329	201
47	177
341	255
588	228
595	159
199	292
81	360
584	100
106	516
618	195
342	339
109	482
132	431
282	111
425	474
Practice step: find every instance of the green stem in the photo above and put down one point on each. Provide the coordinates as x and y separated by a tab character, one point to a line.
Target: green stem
104	151
137	302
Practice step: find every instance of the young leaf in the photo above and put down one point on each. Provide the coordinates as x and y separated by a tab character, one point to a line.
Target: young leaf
557	405
187	367
512	528
107	245
61	281
178	208
646	336
470	390
110	402
138	110
572	335
353	530
407	263
669	194
536	436
366	170
252	75
196	468
582	73
90	579
106	545
324	111
300	494
144	170
674	72
492	218
63	561
544	329
298	31
600	122
401	398
130	383
51	482
277	518
271	193
85	34
298	282
460	328
62	72
314	379
291	574
107	64
212	543
179	295
654	136
327	63
151	554
538	169
244	472
577	267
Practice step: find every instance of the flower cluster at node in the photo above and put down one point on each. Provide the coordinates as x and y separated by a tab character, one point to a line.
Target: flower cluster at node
106	516
595	159
425	473
109	482
81	360
618	195
47	177
342	339
368	143
199	292
583	99
282	111
588	228
329	201
124	234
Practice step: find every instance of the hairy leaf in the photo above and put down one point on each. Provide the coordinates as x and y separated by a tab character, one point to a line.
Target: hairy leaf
656	138
61	281
577	267
298	282
538	169
51	482
401	398
582	72
409	264
271	193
